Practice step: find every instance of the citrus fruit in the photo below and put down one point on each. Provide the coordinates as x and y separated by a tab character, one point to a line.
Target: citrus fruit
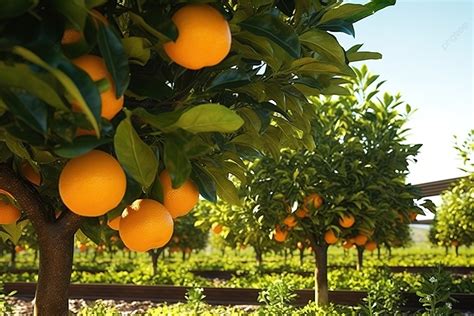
347	244
330	237
95	67
146	224
371	245
181	200
92	184
360	240
412	216
301	213
71	36
204	37
279	234
9	214
216	228
290	221
30	173
346	220
114	223
313	200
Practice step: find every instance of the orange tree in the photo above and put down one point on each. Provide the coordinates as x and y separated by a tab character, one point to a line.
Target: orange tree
138	106
236	225
352	182
453	223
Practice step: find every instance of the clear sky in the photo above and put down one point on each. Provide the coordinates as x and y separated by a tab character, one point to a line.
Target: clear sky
427	48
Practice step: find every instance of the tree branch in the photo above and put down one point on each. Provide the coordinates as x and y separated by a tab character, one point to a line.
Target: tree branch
26	196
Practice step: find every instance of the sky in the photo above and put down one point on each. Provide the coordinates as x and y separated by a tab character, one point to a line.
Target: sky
427	48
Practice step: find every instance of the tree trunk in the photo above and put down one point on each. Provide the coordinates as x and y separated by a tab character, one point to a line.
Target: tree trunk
54	276
378	252
446	250
258	257
35	259
155	254
183	255
285	252
389	251
457	250
55	239
321	275
12	256
360	258
301	256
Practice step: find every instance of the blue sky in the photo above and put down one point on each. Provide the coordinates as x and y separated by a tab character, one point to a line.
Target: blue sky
427	49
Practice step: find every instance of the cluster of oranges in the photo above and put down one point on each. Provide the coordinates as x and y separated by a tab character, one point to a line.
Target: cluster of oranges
143	225
347	221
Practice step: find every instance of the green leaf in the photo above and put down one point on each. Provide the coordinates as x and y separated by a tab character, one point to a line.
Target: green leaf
343	12
231	78
323	43
358	56
134	155
113	52
75	11
162	121
16	146
312	66
274	29
81	145
205	183
21	77
338	26
137	49
11	9
152	87
14	231
27	108
167	30
176	161
225	188
209	118
90	226
67	82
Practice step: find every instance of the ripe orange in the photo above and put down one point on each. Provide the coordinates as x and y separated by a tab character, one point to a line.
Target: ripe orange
279	234
71	36
204	37
9	214
360	240
371	245
92	184
412	216
181	200
454	243
95	67
302	213
114	223
290	221
330	237
347	220
82	247
347	244
146	224
313	200
30	173
216	228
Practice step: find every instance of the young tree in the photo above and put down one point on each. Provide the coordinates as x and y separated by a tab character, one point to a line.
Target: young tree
354	180
453	224
113	105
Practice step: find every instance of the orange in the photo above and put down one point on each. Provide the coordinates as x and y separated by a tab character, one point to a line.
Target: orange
181	200
330	237
204	37
71	36
19	249
371	245
30	173
290	221
114	223
92	184
146	224
9	214
82	247
301	213
216	228
313	200
347	220
95	67
360	240
412	216
280	235
347	244
454	243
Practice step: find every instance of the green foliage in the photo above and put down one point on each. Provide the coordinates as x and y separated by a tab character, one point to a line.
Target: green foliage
454	221
384	296
97	308
194	298
277	299
435	293
6	308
